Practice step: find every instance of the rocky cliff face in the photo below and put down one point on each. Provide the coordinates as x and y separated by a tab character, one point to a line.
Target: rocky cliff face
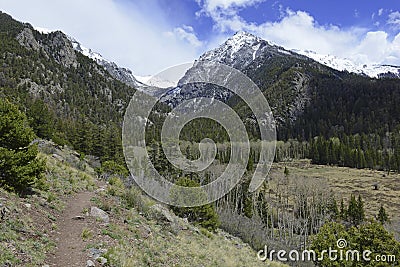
57	45
61	49
26	39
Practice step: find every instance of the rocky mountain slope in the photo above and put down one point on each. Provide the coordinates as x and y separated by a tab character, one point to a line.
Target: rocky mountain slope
304	94
282	75
122	74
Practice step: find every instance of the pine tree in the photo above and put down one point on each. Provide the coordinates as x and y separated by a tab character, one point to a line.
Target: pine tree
19	166
370	236
360	210
204	216
382	215
333	208
42	119
352	210
355	211
248	207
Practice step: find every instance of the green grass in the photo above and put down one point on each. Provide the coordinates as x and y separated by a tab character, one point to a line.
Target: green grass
86	234
24	239
145	242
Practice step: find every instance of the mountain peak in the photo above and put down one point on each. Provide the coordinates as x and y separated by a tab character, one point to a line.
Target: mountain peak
244	35
239	50
242	38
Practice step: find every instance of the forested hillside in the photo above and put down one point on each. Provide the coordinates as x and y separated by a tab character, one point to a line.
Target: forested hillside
67	96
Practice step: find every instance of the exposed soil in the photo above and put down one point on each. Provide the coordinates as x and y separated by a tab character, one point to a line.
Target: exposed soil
71	248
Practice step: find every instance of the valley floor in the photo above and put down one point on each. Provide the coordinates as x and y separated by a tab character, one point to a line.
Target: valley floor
377	188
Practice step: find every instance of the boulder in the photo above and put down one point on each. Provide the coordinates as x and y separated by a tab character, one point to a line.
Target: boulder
99	214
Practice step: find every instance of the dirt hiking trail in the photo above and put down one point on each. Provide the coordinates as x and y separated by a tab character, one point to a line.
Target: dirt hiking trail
70	247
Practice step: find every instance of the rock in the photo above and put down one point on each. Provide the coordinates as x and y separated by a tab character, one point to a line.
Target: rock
145	231
90	263
101	189
28	205
96	253
161	212
63	52
102	260
26	39
99	214
239	246
3	212
58	157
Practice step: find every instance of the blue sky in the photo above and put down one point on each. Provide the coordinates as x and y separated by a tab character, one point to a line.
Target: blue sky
150	35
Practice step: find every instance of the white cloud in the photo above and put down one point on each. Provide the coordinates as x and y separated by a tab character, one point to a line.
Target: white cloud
394	19
299	30
373	47
380	12
224	12
186	33
225	5
126	35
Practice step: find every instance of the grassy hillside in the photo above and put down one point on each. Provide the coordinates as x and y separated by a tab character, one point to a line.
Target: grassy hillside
140	233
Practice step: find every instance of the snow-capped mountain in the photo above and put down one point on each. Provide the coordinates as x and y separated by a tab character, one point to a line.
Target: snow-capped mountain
240	50
241	45
261	61
122	74
373	71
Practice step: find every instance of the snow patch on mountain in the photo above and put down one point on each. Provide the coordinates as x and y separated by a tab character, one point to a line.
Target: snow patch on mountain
143	79
243	47
86	51
43	30
122	74
344	64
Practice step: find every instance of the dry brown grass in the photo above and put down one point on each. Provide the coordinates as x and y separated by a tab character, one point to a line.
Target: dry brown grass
344	182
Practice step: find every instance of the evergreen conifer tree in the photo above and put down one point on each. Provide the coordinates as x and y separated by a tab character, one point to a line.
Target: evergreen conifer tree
19	166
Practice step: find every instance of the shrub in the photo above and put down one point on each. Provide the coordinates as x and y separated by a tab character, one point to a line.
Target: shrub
110	167
370	236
